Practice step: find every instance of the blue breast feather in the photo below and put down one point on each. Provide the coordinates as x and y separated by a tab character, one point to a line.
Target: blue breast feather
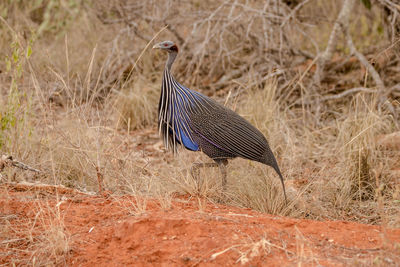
182	101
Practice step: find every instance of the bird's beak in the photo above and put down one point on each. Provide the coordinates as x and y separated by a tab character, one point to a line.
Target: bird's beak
156	46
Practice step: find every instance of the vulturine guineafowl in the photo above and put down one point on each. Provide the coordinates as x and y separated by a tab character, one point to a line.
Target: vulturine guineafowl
197	122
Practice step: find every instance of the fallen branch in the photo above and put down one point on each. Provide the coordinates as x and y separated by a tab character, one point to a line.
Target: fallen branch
44	188
8	161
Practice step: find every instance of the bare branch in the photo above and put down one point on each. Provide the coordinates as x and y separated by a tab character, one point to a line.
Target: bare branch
348	92
337	96
377	79
341	21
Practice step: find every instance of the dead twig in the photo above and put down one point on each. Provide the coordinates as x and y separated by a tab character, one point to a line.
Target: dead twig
8	161
99	180
337	96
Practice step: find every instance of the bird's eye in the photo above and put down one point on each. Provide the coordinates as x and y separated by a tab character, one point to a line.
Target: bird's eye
165	45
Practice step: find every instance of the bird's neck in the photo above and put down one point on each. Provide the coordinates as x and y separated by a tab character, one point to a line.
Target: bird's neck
170	60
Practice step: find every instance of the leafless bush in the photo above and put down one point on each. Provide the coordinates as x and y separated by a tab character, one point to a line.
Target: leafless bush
221	41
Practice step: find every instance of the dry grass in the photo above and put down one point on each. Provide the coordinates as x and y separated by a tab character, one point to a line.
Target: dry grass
138	95
74	107
38	241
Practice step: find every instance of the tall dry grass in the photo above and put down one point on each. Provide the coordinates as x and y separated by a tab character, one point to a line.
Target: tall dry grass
40	240
79	107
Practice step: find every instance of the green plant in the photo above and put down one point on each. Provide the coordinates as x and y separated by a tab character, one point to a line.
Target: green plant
10	116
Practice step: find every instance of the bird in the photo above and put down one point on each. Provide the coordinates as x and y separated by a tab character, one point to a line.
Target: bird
190	119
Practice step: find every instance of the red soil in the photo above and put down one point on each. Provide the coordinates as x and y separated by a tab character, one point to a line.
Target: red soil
109	231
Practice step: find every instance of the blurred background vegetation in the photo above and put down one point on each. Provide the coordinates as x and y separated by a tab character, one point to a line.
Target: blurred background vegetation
224	44
79	88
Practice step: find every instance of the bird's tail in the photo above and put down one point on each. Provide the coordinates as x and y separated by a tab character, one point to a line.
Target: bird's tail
269	159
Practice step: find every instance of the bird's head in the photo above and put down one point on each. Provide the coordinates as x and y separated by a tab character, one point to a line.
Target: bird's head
168	46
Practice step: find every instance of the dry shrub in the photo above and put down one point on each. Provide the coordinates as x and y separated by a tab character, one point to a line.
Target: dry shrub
357	146
52	245
218	43
343	181
355	186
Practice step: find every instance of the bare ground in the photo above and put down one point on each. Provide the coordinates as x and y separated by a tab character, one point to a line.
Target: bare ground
123	230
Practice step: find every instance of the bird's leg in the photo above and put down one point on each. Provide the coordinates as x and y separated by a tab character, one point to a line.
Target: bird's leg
222	167
194	171
221	163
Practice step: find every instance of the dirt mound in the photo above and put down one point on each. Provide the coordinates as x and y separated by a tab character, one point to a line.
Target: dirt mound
125	230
